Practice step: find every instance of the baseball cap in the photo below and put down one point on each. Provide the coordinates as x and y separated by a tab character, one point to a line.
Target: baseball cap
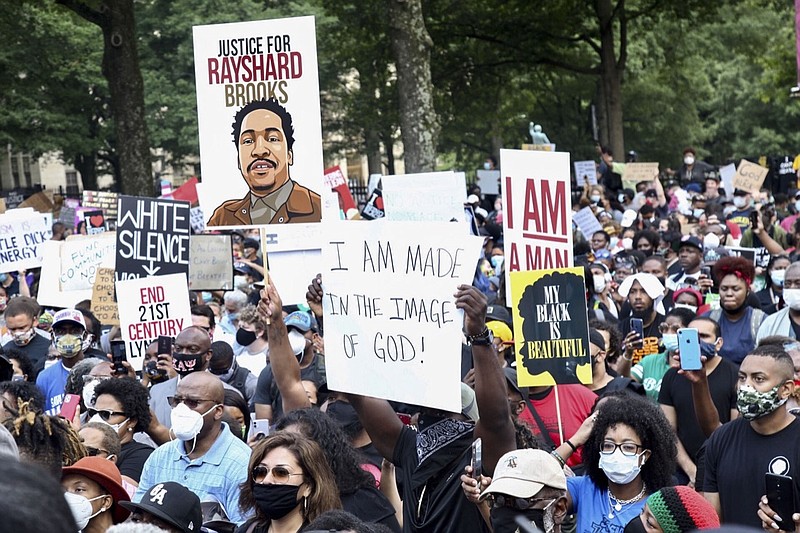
498	312
691	240
511	378
172	503
104	473
298	319
628	218
469	406
69	315
740	192
243	268
473	199
523	473
250	243
500	330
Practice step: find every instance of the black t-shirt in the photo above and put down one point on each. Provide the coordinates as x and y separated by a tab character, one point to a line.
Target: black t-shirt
442	493
36	350
676	391
735	463
131	459
371	506
372	455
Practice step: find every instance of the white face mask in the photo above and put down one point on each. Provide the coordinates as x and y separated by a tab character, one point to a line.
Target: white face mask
739	201
81	508
599	283
710	241
697	213
792	298
185	423
777	277
115	427
297	342
87	342
595	198
627	243
88	392
797	206
619	468
689	160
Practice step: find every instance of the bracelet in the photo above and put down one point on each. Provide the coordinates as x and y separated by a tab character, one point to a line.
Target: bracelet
568	443
560	459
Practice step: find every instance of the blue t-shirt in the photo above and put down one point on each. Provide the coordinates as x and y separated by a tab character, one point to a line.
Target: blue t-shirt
51	381
739	339
592	508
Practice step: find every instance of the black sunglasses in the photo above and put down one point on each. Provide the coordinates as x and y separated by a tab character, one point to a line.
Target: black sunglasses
105	414
191	403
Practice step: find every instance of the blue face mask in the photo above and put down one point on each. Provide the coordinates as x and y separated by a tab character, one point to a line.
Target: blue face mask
670	341
708	349
3	277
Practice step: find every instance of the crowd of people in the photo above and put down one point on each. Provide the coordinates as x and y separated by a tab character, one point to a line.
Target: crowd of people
231	426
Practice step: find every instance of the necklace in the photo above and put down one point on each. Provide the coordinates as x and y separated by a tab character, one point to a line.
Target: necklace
617	506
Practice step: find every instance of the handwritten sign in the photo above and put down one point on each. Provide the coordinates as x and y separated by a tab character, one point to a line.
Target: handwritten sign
390	312
21	237
585	172
151	307
211	266
551	328
152	237
430	196
373	209
637	172
726	174
537	218
95	221
749	176
105	200
69	267
103	305
196	220
489	181
335	180
587	222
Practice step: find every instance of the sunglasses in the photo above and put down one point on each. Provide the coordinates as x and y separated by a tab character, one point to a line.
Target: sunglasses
280	474
191	403
105	414
95	451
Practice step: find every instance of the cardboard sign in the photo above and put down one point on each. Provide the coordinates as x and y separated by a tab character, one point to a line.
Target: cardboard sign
260	76
40	201
585	172
21	236
151	307
637	172
211	266
95	221
538	148
152	237
749	176
389	309
103	305
69	268
587	222
430	196
105	200
551	328
537	215
373	209
489	181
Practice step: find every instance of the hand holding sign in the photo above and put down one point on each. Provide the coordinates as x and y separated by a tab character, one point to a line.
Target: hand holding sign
270	307
473	303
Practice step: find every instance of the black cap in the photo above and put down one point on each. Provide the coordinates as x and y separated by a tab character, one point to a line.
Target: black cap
511	378
172	503
498	312
243	268
740	192
250	243
691	240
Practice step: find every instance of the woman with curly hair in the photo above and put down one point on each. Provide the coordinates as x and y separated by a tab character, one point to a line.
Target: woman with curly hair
122	403
289	486
738	321
356	486
630	453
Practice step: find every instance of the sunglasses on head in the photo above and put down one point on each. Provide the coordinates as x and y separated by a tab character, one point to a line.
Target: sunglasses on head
105	414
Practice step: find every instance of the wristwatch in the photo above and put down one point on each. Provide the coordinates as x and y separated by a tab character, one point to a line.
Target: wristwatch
484	338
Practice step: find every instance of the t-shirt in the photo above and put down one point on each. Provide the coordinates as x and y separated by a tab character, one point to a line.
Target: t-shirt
735	463
575	402
267	392
741	218
649	372
370	505
651	338
132	457
676	391
36	350
592	508
51	381
738	335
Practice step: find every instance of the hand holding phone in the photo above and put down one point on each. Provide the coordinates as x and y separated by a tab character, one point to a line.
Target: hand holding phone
259	428
637	326
689	348
69	406
477	459
118	356
780	498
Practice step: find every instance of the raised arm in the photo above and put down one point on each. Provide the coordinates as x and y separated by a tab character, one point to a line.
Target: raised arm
380	421
495	427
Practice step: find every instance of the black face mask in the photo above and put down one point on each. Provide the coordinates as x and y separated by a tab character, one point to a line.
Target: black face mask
244	337
186	363
425	420
635	526
504	519
345	414
275	501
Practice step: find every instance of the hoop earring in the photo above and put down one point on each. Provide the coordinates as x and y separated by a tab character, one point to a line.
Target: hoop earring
305	506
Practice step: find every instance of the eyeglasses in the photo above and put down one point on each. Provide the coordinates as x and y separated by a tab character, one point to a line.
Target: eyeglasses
280	474
191	403
88	379
666	328
105	414
95	451
519	504
627	448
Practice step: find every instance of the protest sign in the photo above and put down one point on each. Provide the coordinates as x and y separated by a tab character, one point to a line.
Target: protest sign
335	180
489	181
538	148
187	192
211	266
152	237
726	174
585	171
68	212
196	220
105	200
389	309
40	201
430	196
21	236
13	199
262	77
587	222
551	328
637	172
749	176
373	209
759	256
104	306
151	307
69	267
537	220
95	221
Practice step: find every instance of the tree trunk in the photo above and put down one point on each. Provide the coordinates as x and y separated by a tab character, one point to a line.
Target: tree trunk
86	165
611	70
121	69
411	46
388	145
372	144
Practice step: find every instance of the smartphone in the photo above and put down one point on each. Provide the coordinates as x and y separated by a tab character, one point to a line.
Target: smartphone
780	498
259	428
754	219
69	406
164	344
118	356
477	462
689	346
638	327
706	271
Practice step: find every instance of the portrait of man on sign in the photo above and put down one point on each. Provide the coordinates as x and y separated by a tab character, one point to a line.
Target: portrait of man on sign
264	136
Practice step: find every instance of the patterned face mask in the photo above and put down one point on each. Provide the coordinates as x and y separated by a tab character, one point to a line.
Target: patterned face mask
753	404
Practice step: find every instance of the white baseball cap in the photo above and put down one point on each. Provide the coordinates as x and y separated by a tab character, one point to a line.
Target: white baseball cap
523	473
